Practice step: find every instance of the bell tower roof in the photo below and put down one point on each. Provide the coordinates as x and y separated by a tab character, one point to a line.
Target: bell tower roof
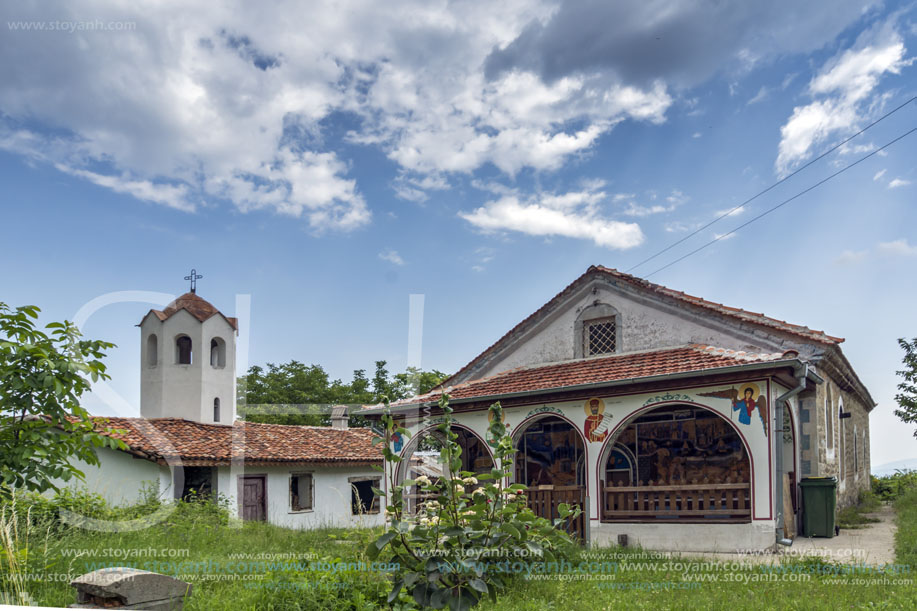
196	306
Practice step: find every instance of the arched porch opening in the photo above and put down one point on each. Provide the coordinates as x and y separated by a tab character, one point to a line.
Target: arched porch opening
551	461
421	457
681	463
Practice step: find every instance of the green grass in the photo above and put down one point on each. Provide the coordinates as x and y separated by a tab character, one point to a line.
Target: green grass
854	516
906	536
210	538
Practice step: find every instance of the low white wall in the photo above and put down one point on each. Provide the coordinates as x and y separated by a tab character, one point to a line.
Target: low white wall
728	538
119	478
331	505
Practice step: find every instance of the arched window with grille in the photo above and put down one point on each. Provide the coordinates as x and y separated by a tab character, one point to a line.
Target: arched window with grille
216	409
597	331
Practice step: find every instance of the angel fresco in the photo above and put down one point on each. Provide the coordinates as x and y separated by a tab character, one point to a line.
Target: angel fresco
751	399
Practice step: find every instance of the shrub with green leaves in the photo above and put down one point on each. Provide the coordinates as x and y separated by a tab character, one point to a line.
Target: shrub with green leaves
454	549
43	428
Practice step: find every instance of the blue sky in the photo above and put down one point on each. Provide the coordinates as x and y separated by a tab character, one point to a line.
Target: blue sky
330	162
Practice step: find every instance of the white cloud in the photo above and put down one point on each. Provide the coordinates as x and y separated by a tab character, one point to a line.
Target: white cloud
673	200
898	182
851	257
391	256
573	215
899	248
174	196
759	97
696	135
879	174
680	226
843	88
231	102
729	212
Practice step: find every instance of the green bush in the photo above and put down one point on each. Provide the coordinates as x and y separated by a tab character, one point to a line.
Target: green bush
458	546
890	487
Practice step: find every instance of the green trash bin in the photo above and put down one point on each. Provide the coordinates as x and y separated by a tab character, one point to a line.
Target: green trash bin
819	501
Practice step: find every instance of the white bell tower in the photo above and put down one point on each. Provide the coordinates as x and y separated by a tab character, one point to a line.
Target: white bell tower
188	361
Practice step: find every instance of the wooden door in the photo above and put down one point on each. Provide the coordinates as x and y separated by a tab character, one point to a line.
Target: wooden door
543	501
254	501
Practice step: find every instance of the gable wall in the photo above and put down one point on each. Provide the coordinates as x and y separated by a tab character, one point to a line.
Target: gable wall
646	323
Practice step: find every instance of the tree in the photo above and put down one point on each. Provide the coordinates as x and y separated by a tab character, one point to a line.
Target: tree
907	398
43	428
295	393
416	382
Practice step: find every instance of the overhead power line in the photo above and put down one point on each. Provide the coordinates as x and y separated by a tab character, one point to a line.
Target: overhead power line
776	184
786	201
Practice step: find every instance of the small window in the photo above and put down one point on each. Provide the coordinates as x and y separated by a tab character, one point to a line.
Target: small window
829	424
863	445
362	498
600	336
152	350
216	409
183	350
217	353
856	456
301	492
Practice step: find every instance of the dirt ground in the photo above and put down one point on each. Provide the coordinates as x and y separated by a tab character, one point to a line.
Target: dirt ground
872	545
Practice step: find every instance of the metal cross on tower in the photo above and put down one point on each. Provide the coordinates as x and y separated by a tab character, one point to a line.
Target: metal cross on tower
194	277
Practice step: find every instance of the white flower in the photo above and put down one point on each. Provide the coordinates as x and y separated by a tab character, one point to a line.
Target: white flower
434	521
470	512
431	505
459	489
478	491
423	480
424	521
471	481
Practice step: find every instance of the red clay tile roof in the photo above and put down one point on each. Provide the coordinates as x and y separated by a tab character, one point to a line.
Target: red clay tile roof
595	370
170	438
196	306
737	313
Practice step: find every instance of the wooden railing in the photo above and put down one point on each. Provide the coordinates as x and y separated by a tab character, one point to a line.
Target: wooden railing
690	502
544	500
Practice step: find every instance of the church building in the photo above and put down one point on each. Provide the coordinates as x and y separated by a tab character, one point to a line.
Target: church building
188	440
676	423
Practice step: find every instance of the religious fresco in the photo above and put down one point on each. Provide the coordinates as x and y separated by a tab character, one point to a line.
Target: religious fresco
745	400
713	451
550	453
595	428
397	442
678	446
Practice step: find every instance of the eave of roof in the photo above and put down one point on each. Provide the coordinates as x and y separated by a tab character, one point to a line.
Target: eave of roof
170	439
597	372
196	306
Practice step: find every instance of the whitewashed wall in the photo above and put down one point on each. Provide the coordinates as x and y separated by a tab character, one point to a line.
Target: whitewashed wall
120	477
620	411
332	496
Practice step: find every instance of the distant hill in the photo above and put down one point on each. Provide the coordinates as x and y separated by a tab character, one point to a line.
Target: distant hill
889	468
